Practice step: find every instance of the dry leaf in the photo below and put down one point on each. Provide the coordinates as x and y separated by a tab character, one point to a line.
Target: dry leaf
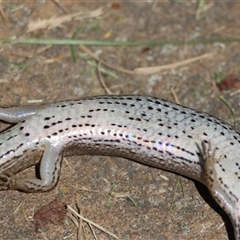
54	212
229	82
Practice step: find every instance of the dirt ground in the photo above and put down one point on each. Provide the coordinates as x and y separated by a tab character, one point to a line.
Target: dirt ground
170	207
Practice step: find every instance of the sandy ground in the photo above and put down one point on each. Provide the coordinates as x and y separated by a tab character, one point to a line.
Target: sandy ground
169	207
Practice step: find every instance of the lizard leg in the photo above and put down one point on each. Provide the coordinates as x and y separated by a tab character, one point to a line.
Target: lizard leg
50	166
218	189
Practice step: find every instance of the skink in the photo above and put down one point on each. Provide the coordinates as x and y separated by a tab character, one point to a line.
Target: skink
148	130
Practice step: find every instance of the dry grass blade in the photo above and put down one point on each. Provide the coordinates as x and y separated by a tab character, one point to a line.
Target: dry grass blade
153	70
91	222
108	91
58	21
59	5
235	92
4	16
175	96
90	53
81	235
